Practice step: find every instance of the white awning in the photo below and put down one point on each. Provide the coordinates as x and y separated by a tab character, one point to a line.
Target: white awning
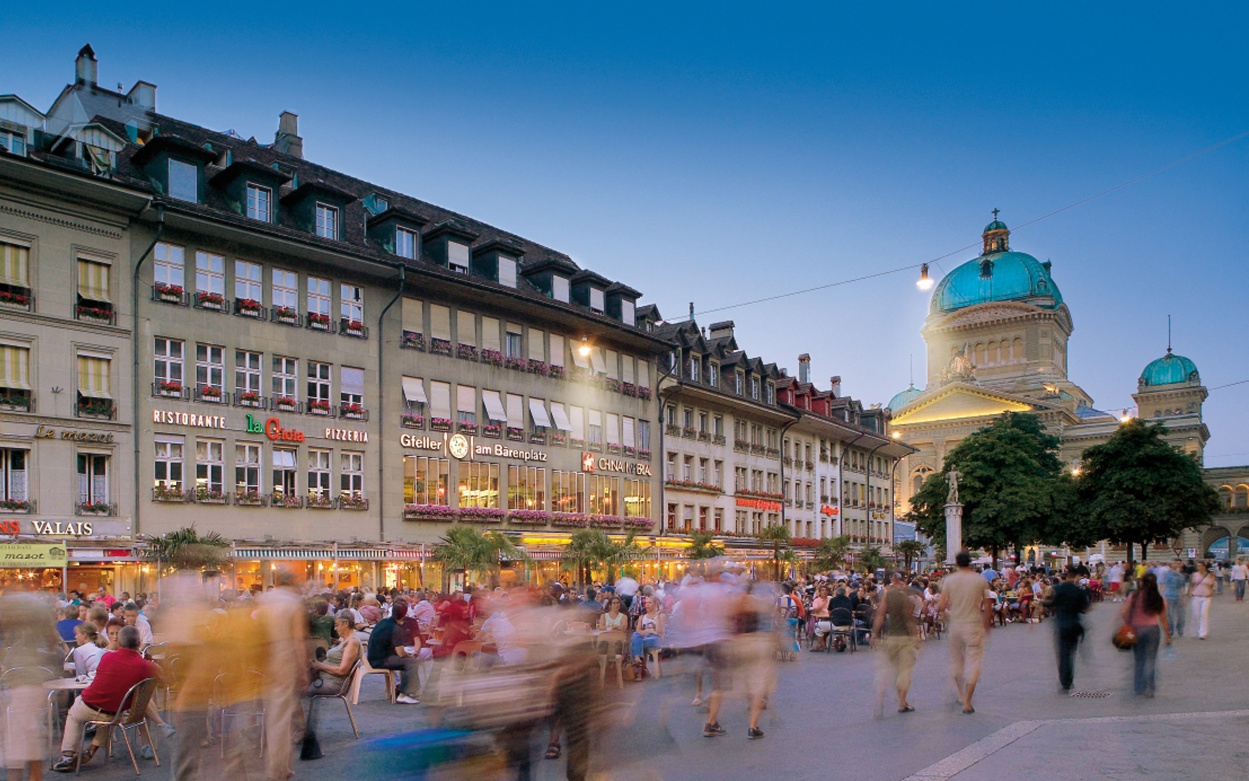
596	358
414	391
579	360
538	411
560	417
494	406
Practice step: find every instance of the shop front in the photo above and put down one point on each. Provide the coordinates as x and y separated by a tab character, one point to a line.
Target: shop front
96	552
334	567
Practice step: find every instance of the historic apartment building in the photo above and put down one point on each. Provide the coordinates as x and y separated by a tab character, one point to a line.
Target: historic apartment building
324	371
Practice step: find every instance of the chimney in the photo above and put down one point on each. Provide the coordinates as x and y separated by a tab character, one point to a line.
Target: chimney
86	69
834	386
691	310
143	95
804	369
287	140
722	329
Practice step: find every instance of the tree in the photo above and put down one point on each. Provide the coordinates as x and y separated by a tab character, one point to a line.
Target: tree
909	549
831	553
185	548
467	548
618	554
703	546
1010	487
1136	488
776	535
872	559
586	548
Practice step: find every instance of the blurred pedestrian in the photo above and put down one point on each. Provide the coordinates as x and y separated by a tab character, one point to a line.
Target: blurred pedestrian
1202	589
1146	612
1173	584
1240	574
284	624
1069	602
964	597
895	627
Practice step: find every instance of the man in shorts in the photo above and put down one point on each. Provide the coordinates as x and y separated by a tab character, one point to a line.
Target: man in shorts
964	596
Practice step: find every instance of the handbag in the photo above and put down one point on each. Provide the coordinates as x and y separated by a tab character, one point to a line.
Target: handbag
1125	638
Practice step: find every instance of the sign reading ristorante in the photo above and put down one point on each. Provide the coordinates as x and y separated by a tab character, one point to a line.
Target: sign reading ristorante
168	417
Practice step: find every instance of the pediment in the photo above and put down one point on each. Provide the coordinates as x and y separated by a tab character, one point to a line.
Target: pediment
959	402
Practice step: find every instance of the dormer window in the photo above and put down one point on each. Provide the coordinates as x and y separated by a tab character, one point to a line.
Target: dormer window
405	243
597	303
457	257
183	181
754	387
259	203
507	271
713	374
13	142
695	368
628	314
770	394
559	288
327	221
739	383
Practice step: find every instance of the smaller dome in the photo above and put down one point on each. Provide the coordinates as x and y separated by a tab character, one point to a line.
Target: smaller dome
996	225
905	397
1168	370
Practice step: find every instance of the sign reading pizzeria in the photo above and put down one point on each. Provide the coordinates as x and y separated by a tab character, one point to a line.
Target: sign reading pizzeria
593	463
346	435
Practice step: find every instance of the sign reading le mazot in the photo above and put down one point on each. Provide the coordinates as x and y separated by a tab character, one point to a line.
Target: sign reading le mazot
20	554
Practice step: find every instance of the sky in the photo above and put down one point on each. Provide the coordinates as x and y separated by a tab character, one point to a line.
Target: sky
722	153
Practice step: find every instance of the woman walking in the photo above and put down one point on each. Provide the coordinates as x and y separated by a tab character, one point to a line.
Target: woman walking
1146	612
1202	589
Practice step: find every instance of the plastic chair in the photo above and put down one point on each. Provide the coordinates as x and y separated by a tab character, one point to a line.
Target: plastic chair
253	684
341	692
652	654
363	669
132	716
464	655
613	648
843	626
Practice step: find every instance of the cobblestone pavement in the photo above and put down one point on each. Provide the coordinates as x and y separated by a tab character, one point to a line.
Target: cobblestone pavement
819	723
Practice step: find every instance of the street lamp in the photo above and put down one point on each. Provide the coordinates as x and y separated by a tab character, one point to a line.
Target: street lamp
584	348
924	282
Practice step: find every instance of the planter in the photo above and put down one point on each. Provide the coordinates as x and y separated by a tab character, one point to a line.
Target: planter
353	328
286	316
516	363
410	340
249	499
319	322
515	434
165	494
492	431
558	438
557	372
570	520
482	514
286	405
248	307
412	421
353	412
248	399
629	389
319	407
287	501
440	346
492	357
466	351
466	428
206	496
429	512
529	517
439	424
644	454
319	502
95	314
352	502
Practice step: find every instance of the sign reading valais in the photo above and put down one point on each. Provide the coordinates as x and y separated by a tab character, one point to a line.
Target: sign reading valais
593	463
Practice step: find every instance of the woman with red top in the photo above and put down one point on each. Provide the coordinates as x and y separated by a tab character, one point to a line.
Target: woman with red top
1146	612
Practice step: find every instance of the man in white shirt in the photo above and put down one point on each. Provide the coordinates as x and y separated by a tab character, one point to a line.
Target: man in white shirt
139	621
1240	574
1114	576
422	612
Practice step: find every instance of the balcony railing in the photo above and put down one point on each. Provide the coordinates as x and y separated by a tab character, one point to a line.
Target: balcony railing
16	400
250	307
170	294
251	399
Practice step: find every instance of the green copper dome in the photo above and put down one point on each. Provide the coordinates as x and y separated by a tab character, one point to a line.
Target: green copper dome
997	275
1168	370
905	397
996	225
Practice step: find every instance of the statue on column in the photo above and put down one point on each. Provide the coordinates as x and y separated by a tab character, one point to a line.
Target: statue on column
952	479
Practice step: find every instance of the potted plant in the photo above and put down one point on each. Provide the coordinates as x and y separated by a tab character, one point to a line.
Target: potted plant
320	501
557	372
286	314
172	388
104	314
437	512
319	407
492	430
169	293
352	411
412	420
249	398
249	498
210	393
206	300
351	500
352	327
206	495
440	346
163	492
516	362
440	424
492	357
14	299
410	340
515	434
285	404
318	321
247	307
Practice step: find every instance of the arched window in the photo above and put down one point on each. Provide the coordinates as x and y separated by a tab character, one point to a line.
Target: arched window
1242	496
1225	495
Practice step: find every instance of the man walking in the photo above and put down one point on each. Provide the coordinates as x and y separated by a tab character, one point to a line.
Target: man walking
965	597
1174	587
896	627
1068	602
1240	573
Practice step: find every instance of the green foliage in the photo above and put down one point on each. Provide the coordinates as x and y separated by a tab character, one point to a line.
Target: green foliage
777	536
1011	487
1136	488
469	549
588	547
909	550
703	546
871	559
185	548
831	553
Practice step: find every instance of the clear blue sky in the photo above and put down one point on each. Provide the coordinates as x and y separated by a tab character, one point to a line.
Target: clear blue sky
721	153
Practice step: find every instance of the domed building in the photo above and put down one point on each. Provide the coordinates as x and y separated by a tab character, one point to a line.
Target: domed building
997	333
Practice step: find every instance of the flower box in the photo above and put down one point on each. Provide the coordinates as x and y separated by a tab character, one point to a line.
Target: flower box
482	514
98	314
630	451
570	520
319	407
613	450
466	428
638	524
285	500
644	454
408	420
557	372
285	314
629	389
693	485
644	393
10	298
352	502
537	367
440	424
741	445
612	384
432	512
285	404
559	438
96	408
352	411
318	321
95	508
515	434
467	352
210	394
248	307
604	522
717	439
214	301
249	499
577	443
169	388
15	505
529	517
492	430
210	496
16	400
170	294
440	346
537	437
319	502
688	433
672	430
492	357
248	399
411	340
162	493
516	362
704	436
353	328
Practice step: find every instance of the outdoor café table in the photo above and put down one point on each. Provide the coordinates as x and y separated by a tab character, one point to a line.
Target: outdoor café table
55	686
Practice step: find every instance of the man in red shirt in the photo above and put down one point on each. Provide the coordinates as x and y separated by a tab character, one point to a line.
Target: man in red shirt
117	672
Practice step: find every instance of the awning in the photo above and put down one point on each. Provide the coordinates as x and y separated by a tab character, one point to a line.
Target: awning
581	361
494	406
538	411
560	417
414	391
93	282
93	377
596	357
14	265
15	367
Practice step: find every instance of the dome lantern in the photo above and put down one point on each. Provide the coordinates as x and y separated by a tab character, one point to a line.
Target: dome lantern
996	236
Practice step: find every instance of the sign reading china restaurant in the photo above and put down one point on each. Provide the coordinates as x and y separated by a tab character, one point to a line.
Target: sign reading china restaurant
591	462
758	504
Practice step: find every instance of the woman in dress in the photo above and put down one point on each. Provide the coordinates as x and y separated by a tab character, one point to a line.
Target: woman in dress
329	674
1146	612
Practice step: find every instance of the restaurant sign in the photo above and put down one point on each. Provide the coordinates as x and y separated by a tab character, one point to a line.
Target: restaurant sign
759	504
829	510
20	554
422	442
591	462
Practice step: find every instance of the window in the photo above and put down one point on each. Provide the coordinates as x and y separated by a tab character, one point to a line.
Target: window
351	475
169	269
754	387
702	423
209	469
92	479
637	498
537	345
539	420
210	370
319	475
457	257
741	482
596	300
479	484
526	488
413	324
319	299
687	418
595	439
513	343
738	380
466	405
414	399
507	272
703	474
717	426
627	313
713	374
644	435
440	403
318	384
13	482
351	305
285	377
15	376
425	480
567	490
327	221
671	473
559	288
13	141
246	469
466	328
601	496
576	419
613	431
628	434
440	323
247	284
210	278
702	518
405	243
687	519
168	464
15	272
612	359
628	370
285	293
259	203
695	369
672	517
770	396
94	285
351	386
285	468
169	353
183	181
717	474
95	386
687	469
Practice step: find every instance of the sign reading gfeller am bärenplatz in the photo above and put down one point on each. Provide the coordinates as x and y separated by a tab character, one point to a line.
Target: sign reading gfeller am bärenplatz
21	554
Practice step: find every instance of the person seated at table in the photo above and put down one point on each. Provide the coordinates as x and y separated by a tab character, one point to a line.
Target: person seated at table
69	620
132	615
613	620
98	615
422	611
650	630
112	631
320	623
88	651
388	651
102	699
329	674
498	630
819	615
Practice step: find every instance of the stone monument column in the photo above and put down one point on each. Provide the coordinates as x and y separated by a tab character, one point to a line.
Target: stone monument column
953	530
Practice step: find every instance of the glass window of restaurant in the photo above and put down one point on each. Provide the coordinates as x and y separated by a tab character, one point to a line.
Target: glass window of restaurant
425	480
637	498
169	462
285	470
479	484
209	468
602	496
319	473
567	491
526	488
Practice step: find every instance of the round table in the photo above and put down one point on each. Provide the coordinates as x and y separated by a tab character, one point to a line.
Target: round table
54	686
